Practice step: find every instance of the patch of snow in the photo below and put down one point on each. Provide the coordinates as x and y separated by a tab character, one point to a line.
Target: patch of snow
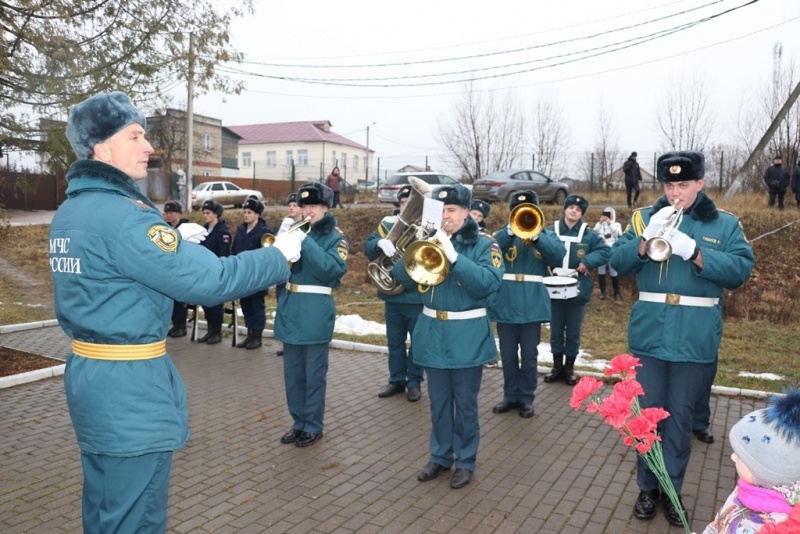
761	376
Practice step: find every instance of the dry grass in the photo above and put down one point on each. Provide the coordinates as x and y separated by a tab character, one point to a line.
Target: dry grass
760	335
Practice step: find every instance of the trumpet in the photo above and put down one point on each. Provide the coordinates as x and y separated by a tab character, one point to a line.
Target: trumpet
426	263
657	247
526	221
267	240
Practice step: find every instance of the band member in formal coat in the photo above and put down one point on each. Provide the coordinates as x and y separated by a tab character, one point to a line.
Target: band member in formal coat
586	251
114	284
307	313
675	328
523	304
479	210
453	337
401	312
248	237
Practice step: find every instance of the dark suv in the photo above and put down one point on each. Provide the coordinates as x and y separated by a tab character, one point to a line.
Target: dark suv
387	192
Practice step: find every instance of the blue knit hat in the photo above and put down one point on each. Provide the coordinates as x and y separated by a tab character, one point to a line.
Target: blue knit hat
453	194
768	441
681	166
98	118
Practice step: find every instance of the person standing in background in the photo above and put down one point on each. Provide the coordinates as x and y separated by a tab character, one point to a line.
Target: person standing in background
796	183
180	310
217	241
675	328
610	230
126	398
248	237
479	210
182	185
586	251
777	180
633	178
523	304
401	312
334	183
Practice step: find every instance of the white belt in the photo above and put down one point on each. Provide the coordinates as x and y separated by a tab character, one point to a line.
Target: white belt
450	315
319	290
518	277
678	300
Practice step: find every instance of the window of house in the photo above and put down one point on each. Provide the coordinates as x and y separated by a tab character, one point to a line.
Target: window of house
272	158
355	163
207	142
302	157
289	157
206	173
246	159
344	160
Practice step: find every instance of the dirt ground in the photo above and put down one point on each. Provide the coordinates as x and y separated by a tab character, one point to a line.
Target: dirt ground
13	362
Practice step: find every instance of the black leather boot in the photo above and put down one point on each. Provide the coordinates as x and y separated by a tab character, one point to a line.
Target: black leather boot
215	331
558	369
615	285
255	341
205	338
569	371
243	343
178	328
601	280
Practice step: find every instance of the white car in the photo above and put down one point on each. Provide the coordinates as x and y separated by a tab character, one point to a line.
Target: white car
226	193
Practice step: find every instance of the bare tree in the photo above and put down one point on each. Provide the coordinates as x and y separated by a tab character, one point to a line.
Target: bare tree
599	164
482	135
683	114
549	136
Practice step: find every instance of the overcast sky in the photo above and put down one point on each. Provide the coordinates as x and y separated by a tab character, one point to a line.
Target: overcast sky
402	65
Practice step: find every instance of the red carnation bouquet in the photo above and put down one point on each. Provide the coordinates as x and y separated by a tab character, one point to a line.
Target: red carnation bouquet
621	410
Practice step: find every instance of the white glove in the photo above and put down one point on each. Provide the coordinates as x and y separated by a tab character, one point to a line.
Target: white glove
682	245
447	246
657	221
387	247
193	232
285	224
509	231
289	243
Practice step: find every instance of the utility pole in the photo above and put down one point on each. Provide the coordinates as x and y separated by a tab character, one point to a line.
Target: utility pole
190	125
366	159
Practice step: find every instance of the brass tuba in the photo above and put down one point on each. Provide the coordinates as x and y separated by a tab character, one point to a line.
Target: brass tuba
526	221
402	234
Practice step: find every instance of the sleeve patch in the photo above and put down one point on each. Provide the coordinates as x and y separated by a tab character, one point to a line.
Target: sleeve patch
164	237
343	249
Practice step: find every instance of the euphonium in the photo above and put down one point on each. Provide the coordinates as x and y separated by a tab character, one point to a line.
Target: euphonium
426	263
403	233
657	247
267	240
526	221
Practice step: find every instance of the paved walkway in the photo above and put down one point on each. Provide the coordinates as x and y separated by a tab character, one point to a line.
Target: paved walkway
561	471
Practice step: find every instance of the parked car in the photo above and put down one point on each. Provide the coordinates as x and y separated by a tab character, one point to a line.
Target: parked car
500	186
387	192
226	193
367	187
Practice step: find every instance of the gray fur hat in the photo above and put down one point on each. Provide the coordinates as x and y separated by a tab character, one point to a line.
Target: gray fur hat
768	441
453	194
314	193
681	166
99	117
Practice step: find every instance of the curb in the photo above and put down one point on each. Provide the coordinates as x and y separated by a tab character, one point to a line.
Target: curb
58	370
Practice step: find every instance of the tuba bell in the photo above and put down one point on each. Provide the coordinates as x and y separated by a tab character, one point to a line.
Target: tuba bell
526	221
426	263
402	234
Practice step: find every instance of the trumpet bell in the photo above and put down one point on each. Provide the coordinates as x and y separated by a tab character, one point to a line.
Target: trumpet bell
267	240
425	263
658	249
526	221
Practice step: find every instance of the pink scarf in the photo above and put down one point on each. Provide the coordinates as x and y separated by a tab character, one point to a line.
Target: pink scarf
762	499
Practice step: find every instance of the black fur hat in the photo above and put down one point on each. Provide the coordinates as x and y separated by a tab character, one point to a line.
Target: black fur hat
404	192
253	204
681	166
214	206
314	193
291	198
453	194
172	205
523	197
99	117
480	206
577	200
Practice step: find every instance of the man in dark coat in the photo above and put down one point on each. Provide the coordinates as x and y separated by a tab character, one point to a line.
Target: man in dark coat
633	175
796	184
777	180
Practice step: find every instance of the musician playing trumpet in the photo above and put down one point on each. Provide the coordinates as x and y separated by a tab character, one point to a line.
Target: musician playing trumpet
401	311
453	337
675	328
523	304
